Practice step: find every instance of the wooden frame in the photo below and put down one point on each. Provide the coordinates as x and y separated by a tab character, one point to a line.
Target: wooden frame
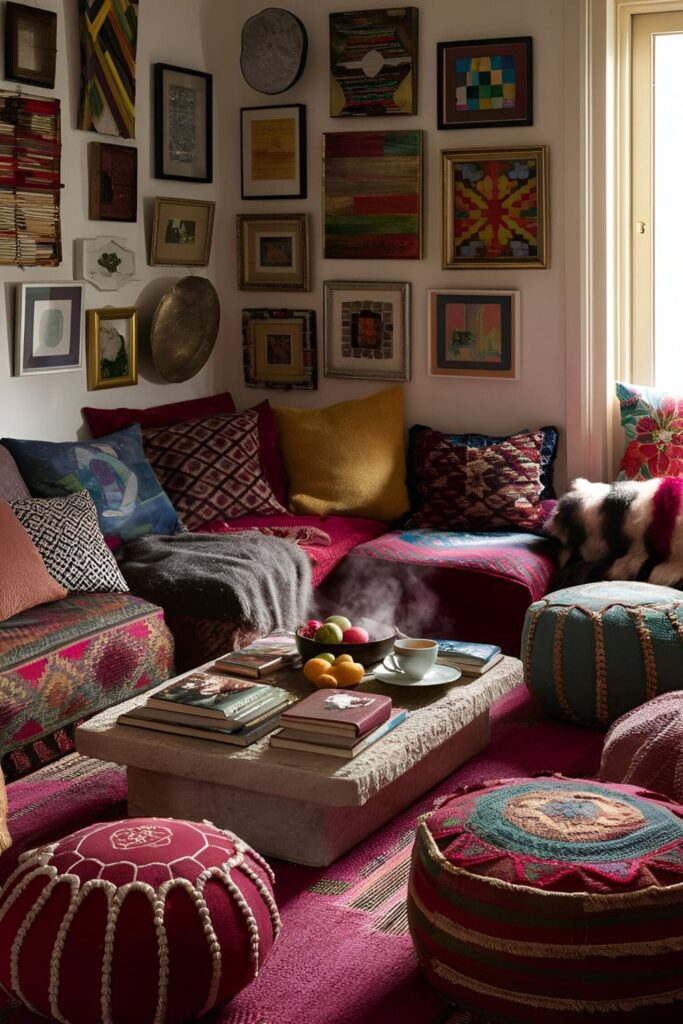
474	333
183	124
485	83
113	182
367	329
112	347
181	232
272	252
49	327
495	208
273	152
279	348
30	45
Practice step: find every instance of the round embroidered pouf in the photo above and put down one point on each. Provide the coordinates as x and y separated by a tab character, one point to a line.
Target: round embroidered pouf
147	920
645	746
591	653
552	900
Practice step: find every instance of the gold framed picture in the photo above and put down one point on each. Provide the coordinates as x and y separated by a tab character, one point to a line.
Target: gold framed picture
272	252
279	348
112	347
182	231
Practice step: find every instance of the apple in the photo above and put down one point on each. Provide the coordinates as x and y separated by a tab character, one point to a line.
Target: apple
355	635
328	633
328	658
339	620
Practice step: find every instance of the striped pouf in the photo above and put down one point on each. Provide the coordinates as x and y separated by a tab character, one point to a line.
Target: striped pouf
593	652
552	900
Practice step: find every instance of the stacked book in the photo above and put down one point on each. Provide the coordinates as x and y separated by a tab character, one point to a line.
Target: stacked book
210	705
260	658
472	659
341	723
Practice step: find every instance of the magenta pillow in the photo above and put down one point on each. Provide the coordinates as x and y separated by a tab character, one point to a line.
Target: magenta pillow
210	468
107	421
466	487
269	450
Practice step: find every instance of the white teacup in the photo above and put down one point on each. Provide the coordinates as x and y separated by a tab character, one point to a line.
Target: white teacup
415	657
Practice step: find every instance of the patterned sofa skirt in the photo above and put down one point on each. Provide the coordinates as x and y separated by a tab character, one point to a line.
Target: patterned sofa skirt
64	661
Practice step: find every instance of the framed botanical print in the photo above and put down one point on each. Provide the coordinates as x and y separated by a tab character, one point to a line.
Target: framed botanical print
367	329
182	232
183	121
495	208
49	327
30	45
273	152
279	348
105	262
272	252
112	346
474	334
113	182
485	83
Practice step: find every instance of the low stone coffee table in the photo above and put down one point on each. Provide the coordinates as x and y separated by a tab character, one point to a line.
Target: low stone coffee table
300	806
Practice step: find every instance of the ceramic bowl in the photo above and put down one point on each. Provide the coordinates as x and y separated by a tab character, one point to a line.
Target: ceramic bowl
367	654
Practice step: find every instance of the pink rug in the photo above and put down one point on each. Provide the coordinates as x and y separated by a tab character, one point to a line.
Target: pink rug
345	955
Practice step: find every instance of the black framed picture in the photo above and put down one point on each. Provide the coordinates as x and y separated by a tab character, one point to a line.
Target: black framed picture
30	45
273	152
183	119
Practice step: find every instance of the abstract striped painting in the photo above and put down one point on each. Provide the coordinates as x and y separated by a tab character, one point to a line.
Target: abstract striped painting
372	195
373	57
109	34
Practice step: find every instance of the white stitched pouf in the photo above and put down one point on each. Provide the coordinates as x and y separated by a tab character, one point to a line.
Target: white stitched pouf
645	746
147	920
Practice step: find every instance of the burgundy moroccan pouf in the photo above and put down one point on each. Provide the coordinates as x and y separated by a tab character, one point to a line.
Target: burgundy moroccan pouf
143	921
645	746
552	900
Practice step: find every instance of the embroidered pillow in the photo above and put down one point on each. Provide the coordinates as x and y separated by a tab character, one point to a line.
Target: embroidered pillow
653	424
467	487
129	499
24	580
68	536
211	468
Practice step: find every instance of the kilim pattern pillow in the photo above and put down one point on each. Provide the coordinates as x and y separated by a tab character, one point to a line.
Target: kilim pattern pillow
466	487
211	469
68	536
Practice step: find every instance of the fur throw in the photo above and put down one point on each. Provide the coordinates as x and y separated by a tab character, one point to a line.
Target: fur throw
631	530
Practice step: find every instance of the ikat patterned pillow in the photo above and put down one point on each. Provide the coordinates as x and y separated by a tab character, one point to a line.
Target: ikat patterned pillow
474	488
68	536
211	468
653	425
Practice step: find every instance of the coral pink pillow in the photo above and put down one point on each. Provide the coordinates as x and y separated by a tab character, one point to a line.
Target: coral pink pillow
24	580
210	468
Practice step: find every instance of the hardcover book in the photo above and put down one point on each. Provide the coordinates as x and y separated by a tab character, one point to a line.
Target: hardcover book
467	653
339	711
336	746
206	730
211	694
260	657
160	712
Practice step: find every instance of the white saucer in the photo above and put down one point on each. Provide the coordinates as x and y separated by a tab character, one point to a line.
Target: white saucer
437	676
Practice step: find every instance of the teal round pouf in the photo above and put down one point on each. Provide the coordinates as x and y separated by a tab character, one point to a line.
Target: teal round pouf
591	653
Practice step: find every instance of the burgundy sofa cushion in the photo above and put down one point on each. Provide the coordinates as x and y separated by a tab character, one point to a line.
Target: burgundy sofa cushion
107	421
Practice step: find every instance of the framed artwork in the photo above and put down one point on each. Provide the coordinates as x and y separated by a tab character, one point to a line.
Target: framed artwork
181	232
366	329
49	326
373	62
183	122
109	39
484	83
279	348
104	262
30	45
272	252
113	182
112	347
372	195
474	334
495	208
273	152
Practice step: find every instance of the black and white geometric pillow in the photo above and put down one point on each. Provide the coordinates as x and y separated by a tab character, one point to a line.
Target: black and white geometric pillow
68	535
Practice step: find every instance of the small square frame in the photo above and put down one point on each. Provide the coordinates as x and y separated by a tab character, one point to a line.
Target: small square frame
183	122
49	328
273	139
272	252
279	348
182	232
479	323
504	98
367	329
113	182
30	45
480	183
109	366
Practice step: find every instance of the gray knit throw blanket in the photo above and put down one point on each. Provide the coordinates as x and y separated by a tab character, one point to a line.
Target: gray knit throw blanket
260	583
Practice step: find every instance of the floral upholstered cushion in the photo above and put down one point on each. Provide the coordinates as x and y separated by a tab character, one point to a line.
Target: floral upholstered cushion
653	425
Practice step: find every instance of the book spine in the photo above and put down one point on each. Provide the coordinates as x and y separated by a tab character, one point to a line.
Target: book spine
381	731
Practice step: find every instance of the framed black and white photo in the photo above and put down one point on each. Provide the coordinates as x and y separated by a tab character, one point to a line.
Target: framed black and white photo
182	124
49	326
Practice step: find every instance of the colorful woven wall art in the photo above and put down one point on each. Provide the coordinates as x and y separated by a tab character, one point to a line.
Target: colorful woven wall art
109	33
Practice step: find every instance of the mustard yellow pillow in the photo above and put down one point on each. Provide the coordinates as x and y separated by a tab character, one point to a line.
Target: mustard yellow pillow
5	840
348	459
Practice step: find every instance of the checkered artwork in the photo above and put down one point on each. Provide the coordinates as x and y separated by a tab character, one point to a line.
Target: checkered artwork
485	83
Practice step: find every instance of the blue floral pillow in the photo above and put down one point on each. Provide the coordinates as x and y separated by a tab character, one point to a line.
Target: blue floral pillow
129	499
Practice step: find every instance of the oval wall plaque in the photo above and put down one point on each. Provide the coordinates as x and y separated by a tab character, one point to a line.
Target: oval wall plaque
274	47
185	328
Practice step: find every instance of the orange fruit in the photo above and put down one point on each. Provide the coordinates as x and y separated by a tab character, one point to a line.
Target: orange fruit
341	658
315	667
326	681
348	673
